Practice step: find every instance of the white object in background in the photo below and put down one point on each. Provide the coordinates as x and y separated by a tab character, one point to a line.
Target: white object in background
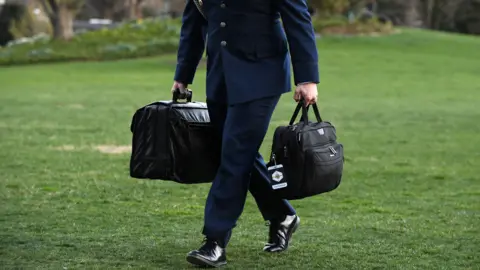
99	21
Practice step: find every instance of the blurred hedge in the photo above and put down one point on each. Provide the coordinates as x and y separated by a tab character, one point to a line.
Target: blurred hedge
150	37
342	26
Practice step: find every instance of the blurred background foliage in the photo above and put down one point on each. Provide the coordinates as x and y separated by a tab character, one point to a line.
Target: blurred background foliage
64	30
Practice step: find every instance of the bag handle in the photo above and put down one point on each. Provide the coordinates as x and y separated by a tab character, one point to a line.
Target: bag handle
301	106
182	94
317	112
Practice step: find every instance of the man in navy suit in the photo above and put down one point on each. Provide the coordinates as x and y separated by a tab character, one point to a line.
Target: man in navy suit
250	45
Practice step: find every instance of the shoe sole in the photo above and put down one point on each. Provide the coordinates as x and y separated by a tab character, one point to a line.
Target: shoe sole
200	261
294	229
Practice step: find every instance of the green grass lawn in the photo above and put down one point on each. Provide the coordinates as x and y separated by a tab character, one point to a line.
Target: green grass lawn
406	107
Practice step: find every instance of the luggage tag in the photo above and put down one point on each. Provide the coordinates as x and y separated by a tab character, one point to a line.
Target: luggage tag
277	175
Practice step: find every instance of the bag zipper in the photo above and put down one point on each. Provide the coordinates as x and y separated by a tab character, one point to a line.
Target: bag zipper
299	138
329	147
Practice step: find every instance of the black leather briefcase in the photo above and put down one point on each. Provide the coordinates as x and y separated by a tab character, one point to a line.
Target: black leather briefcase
174	141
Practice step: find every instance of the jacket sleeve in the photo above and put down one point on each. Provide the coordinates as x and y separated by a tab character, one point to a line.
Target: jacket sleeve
192	43
301	40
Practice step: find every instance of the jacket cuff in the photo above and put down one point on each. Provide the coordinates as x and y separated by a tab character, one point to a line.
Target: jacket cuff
185	73
306	72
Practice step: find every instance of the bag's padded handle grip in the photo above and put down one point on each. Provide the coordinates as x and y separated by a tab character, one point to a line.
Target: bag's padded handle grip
182	94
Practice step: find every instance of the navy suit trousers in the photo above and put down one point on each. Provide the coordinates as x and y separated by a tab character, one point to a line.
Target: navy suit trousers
242	128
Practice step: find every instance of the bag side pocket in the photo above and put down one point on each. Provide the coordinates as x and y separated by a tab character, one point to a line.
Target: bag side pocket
323	169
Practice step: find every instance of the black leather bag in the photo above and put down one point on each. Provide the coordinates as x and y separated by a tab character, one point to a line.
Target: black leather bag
312	158
174	141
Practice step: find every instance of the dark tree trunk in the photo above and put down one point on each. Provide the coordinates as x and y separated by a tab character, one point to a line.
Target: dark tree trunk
430	6
63	23
412	14
129	9
108	13
61	15
133	9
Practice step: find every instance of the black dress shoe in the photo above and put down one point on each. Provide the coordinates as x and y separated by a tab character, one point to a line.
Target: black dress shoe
211	254
280	233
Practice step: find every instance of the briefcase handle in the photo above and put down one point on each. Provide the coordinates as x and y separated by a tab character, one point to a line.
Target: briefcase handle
301	106
182	94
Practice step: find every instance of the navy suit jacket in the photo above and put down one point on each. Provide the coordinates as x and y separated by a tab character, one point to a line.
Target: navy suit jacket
249	52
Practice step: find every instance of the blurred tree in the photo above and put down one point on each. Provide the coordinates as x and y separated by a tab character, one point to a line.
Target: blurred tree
434	14
440	14
467	17
27	25
8	15
106	9
61	14
358	5
115	10
329	8
133	9
445	15
412	16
